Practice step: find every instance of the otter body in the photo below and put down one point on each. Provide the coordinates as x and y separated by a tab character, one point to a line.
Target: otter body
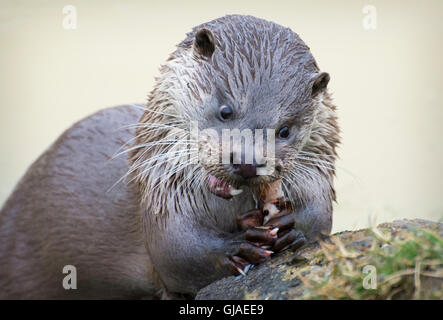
162	229
64	212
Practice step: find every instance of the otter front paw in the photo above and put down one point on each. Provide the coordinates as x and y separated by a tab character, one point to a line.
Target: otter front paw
242	253
288	237
252	241
250	219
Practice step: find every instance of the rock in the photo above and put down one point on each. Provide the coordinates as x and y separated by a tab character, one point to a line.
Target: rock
407	256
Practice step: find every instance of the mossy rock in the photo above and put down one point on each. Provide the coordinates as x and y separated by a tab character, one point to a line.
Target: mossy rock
407	256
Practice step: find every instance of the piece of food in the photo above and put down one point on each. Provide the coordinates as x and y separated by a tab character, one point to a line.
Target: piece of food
270	196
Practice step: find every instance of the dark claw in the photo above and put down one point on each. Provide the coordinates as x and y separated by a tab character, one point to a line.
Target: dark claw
239	261
237	265
234	268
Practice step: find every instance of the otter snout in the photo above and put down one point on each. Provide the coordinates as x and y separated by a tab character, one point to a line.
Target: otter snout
245	170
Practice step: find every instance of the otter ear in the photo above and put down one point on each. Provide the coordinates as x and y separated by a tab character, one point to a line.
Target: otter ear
204	43
320	83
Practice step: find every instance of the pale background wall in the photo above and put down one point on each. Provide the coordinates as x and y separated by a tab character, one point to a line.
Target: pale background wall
386	82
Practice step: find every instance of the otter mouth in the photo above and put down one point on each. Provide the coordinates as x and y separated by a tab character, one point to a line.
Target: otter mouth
221	188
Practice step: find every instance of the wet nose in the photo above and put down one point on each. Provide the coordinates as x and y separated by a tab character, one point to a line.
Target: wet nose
246	170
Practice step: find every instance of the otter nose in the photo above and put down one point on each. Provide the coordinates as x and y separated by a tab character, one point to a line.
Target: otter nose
245	170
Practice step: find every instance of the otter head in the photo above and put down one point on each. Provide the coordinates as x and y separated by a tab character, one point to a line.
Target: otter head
244	75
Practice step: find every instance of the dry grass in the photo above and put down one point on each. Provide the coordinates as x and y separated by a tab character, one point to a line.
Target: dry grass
408	266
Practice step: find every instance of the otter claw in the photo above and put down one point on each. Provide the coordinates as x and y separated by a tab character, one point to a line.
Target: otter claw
234	192
244	271
241	271
274	231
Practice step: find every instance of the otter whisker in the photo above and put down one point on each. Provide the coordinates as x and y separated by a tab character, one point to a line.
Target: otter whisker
293	185
160	155
144	132
143	173
287	191
151	147
174	171
316	165
312	158
194	173
310	182
313	161
299	178
333	157
168	124
318	154
159	112
309	172
198	181
169	157
156	143
165	156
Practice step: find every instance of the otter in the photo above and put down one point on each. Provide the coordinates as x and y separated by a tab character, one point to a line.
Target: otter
171	226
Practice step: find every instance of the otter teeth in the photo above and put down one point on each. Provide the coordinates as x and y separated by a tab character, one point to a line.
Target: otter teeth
234	192
222	189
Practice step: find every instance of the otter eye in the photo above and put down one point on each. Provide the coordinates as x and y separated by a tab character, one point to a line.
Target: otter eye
225	112
283	132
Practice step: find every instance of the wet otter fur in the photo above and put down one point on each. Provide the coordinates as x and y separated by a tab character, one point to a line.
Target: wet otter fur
160	231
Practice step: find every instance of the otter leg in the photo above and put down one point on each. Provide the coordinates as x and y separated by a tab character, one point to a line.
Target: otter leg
314	219
244	254
188	254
